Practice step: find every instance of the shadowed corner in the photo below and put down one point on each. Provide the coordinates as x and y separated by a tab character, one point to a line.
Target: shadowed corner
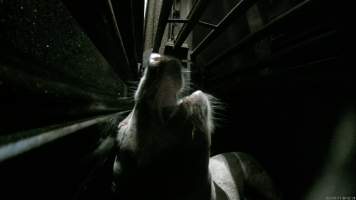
337	178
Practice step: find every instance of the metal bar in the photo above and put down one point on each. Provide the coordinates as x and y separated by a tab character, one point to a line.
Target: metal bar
193	18
279	54
207	24
125	10
18	147
178	21
238	10
319	62
258	34
138	12
162	22
117	31
133	37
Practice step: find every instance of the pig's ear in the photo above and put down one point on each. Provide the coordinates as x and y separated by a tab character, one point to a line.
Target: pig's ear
200	110
203	109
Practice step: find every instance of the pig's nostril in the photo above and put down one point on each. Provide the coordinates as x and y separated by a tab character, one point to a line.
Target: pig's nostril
154	59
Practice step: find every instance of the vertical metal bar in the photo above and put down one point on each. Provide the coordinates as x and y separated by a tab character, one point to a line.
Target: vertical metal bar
235	12
138	11
162	22
151	21
133	36
125	9
193	18
117	31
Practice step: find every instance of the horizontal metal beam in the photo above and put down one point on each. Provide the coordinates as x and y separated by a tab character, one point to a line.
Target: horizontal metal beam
258	34
193	18
238	10
178	21
162	22
206	24
265	63
23	145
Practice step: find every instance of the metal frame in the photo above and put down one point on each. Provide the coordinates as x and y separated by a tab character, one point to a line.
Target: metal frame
238	10
267	62
258	34
162	22
235	12
117	31
113	37
193	19
206	24
18	147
